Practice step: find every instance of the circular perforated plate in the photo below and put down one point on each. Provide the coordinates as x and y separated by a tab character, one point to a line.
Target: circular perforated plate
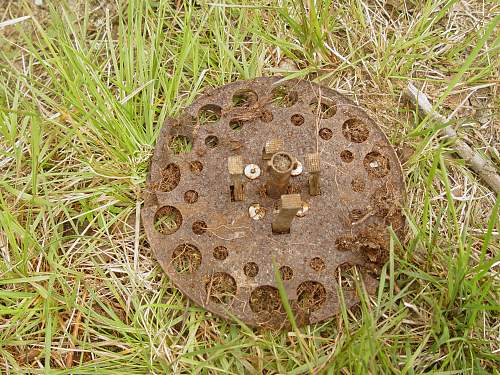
222	258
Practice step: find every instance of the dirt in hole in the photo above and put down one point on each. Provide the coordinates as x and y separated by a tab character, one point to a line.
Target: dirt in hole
266	116
220	287
186	258
386	204
266	298
355	130
325	134
373	242
358	184
220	253
199	227
286	273
346	156
376	164
317	264
297	119
190	196
346	243
251	269
167	220
311	295
282	162
196	166
170	177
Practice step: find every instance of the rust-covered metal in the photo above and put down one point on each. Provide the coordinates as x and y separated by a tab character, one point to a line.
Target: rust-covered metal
221	252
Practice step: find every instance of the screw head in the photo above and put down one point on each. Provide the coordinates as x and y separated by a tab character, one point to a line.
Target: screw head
302	212
297	169
252	171
256	212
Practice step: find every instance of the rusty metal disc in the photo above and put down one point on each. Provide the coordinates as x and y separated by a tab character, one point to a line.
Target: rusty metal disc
222	253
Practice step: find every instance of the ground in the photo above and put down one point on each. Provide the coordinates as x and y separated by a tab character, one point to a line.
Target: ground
84	87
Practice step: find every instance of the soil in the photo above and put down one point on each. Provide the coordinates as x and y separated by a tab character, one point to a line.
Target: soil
355	130
190	196
317	264
170	177
266	298
220	287
199	227
281	162
376	164
266	116
325	133
373	242
346	156
297	119
345	243
251	269
358	184
286	273
311	295
220	253
186	258
196	166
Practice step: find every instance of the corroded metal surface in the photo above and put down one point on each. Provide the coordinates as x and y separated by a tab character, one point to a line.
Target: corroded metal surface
222	258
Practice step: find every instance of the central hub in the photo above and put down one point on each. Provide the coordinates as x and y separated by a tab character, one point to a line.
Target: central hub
280	170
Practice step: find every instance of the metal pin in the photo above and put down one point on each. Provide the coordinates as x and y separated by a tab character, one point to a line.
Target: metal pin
235	167
312	162
280	169
290	205
273	146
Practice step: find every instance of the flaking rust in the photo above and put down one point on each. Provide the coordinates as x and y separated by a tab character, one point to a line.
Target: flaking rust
220	215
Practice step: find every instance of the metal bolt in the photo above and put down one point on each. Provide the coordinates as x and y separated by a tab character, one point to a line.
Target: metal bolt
235	167
290	205
312	162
